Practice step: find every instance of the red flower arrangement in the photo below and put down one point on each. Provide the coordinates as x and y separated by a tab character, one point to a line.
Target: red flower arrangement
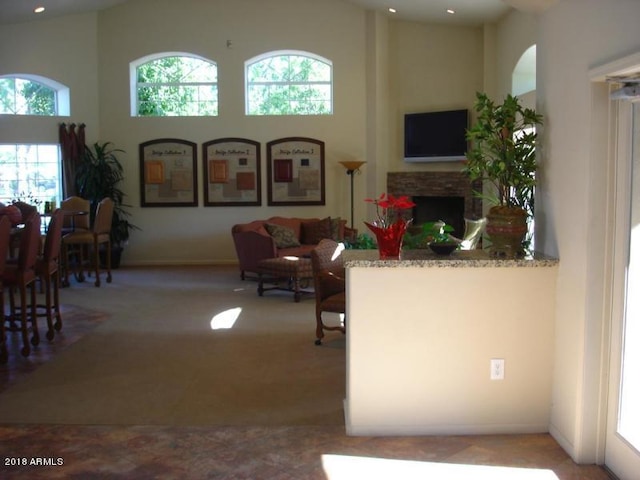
390	226
388	208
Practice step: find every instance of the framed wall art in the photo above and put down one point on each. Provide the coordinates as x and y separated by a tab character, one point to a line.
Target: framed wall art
231	172
295	169
168	173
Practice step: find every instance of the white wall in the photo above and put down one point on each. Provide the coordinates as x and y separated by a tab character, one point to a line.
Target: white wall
382	69
332	29
432	67
574	36
418	358
64	50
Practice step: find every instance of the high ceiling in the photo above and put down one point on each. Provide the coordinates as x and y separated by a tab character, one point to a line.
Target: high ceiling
468	12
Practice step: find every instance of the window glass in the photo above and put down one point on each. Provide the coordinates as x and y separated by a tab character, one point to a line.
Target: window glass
22	96
30	173
176	86
289	83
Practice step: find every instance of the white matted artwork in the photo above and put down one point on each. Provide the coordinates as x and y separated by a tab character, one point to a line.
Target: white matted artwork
168	175
231	172
295	170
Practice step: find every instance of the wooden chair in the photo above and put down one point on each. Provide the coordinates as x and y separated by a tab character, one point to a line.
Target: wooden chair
26	210
5	238
328	280
100	234
47	270
22	275
76	214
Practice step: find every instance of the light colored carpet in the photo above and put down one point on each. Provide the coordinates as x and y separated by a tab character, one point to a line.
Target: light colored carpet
156	359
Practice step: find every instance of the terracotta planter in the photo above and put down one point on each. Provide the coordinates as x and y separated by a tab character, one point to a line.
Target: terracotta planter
506	228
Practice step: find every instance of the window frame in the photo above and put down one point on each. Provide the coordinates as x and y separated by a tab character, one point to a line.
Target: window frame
62	101
282	53
33	193
133	82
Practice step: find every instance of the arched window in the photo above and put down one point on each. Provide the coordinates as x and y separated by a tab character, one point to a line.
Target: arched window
288	83
32	95
176	84
523	78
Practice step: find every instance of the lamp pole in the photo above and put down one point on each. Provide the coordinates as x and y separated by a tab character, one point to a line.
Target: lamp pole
352	167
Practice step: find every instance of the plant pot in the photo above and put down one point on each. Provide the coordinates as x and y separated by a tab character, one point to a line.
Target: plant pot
443	248
506	228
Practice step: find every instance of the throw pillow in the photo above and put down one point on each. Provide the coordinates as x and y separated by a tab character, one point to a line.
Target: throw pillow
284	237
313	232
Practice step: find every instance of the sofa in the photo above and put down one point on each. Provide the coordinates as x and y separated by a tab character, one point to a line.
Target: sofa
283	236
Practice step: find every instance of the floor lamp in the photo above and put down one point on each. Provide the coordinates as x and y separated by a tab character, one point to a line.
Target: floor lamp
352	167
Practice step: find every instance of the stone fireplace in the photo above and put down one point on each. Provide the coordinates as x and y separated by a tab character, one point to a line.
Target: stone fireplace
446	196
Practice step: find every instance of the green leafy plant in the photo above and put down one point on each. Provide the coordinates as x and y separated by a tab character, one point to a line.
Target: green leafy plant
100	175
503	151
428	232
362	242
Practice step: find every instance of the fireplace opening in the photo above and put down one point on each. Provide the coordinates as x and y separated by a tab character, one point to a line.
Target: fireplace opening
449	209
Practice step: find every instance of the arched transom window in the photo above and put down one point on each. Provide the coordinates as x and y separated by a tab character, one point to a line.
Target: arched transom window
170	85
32	95
288	83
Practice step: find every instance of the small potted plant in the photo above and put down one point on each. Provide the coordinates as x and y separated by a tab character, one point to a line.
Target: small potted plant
503	154
390	224
434	235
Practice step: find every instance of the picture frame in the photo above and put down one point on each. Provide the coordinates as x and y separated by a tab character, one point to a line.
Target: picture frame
295	170
231	172
168	173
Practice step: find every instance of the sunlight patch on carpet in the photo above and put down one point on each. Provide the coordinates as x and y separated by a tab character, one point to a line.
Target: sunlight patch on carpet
225	320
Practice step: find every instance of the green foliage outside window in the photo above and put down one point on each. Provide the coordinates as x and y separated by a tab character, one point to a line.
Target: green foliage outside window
289	85
177	86
20	96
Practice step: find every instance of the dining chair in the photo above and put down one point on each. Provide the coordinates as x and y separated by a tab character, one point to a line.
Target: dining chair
76	214
48	271
21	275
5	238
26	210
328	281
99	234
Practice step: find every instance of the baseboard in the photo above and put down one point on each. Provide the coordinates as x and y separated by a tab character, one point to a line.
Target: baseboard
431	430
179	263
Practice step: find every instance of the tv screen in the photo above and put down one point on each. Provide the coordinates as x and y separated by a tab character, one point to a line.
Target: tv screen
435	136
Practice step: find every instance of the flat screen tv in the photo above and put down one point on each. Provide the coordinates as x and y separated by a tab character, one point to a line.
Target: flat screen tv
435	136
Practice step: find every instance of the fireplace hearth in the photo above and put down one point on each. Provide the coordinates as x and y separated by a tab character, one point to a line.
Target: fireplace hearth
446	196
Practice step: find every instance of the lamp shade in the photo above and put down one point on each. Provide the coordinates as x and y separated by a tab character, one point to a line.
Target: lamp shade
352	165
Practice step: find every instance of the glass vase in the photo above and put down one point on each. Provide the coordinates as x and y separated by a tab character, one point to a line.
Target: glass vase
389	239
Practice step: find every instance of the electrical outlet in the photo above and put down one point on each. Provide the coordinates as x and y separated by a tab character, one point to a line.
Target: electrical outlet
497	369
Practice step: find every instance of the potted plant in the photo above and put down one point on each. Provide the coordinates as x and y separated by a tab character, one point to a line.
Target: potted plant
99	175
503	142
433	235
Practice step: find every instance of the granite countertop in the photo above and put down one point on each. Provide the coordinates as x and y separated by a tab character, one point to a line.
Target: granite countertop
426	258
